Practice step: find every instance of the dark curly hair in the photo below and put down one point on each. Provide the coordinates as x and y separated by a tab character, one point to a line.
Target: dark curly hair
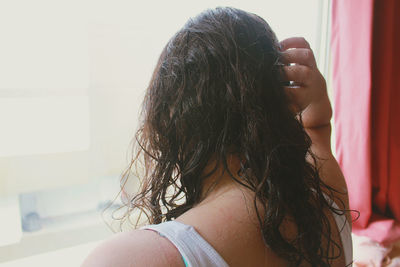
218	89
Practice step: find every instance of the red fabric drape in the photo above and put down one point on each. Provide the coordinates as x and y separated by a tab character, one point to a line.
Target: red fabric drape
365	55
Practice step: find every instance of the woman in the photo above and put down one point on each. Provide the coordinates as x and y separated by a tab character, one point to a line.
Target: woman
239	169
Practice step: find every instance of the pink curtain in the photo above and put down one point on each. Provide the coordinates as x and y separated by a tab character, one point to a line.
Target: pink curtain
366	71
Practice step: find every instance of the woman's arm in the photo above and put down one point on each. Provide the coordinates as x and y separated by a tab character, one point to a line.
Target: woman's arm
309	97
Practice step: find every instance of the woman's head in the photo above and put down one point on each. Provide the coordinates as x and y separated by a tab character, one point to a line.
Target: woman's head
218	90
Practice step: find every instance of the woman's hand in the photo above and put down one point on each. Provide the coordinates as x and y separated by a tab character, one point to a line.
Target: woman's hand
307	90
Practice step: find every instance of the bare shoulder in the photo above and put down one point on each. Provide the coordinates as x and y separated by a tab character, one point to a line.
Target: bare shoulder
134	248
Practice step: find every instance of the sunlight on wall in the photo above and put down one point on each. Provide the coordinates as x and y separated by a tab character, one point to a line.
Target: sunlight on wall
103	51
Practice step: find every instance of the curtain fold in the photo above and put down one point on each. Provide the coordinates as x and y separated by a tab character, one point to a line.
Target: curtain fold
365	42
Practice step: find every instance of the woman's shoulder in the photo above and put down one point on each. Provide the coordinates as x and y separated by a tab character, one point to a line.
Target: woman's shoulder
134	248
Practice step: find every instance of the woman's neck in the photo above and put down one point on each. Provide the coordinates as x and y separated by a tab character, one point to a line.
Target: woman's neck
221	180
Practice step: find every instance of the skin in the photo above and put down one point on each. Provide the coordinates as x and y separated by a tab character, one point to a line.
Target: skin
239	242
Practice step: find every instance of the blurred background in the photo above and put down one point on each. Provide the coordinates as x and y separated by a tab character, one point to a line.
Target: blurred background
72	78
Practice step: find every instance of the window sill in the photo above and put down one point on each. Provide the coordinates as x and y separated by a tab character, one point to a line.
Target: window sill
85	228
73	256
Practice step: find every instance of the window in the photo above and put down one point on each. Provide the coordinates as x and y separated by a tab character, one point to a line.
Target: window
72	76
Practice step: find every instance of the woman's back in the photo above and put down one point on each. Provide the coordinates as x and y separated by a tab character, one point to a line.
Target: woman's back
227	225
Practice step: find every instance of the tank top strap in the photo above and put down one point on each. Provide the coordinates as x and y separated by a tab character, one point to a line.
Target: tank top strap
195	251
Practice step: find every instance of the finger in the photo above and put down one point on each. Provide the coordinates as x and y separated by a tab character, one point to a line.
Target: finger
297	101
294	42
293	106
302	56
300	74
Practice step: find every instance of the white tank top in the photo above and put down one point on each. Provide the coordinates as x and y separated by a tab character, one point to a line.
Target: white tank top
197	252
